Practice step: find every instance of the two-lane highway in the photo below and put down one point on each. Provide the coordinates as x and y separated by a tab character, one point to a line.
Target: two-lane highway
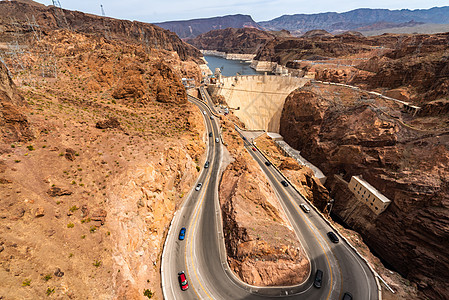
202	254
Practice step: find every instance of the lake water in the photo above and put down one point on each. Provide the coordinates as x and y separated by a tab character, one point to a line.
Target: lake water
229	67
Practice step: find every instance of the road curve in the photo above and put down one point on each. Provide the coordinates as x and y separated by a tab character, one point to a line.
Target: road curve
202	254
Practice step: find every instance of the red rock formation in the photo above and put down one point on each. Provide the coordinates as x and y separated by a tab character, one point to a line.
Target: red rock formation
232	40
408	166
123	30
14	125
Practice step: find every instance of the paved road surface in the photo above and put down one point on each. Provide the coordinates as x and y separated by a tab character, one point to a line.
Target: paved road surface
202	254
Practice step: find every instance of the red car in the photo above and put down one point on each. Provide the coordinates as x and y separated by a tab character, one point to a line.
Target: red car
183	281
254	149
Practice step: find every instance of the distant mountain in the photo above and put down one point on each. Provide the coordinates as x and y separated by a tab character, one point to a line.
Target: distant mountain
195	27
356	19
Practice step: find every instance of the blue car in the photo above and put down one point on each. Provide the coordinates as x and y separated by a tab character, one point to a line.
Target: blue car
182	233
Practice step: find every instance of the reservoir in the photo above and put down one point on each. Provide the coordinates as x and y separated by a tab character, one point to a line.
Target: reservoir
229	67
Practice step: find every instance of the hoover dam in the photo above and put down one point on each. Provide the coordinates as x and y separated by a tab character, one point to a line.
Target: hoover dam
258	99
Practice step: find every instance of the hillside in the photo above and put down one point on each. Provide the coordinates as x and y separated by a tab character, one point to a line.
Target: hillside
17	16
232	40
98	147
195	27
355	19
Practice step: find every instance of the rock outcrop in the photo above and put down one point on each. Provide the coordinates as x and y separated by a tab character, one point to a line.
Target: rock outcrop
14	125
232	40
345	136
48	18
262	249
195	27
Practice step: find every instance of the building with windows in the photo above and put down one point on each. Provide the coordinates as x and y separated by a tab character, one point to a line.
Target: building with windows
368	195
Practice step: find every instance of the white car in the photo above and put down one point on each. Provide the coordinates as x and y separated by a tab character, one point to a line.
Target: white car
198	186
217	140
305	208
204	112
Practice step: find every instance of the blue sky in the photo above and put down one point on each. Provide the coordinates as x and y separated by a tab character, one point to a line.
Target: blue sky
260	10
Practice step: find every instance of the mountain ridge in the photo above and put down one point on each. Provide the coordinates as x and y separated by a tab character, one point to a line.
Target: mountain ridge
354	19
194	27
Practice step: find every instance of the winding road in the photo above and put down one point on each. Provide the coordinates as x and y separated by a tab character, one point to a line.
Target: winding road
202	254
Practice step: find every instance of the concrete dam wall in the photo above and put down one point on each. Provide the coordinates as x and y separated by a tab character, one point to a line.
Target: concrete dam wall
258	99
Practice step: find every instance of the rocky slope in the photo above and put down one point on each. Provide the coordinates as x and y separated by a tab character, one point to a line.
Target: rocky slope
93	164
346	133
195	27
232	40
49	17
354	19
261	246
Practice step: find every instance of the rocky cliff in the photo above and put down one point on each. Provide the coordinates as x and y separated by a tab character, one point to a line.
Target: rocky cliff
346	133
23	13
195	27
232	40
411	67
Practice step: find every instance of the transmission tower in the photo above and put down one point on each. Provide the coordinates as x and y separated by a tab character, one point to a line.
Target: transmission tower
107	33
59	14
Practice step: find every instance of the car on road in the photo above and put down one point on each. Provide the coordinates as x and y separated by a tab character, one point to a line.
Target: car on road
284	183
244	138
198	186
347	296
267	163
318	279
210	134
211	117
217	140
182	233
206	165
333	237
183	281
254	149
305	208
204	112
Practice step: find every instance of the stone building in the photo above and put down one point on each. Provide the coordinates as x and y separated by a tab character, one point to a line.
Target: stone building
369	195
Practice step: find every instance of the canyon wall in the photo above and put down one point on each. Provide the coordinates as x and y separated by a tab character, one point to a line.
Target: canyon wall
345	135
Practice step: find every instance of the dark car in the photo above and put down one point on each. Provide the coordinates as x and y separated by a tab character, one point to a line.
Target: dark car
318	278
267	163
333	237
183	281
210	134
206	165
182	233
347	296
284	183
